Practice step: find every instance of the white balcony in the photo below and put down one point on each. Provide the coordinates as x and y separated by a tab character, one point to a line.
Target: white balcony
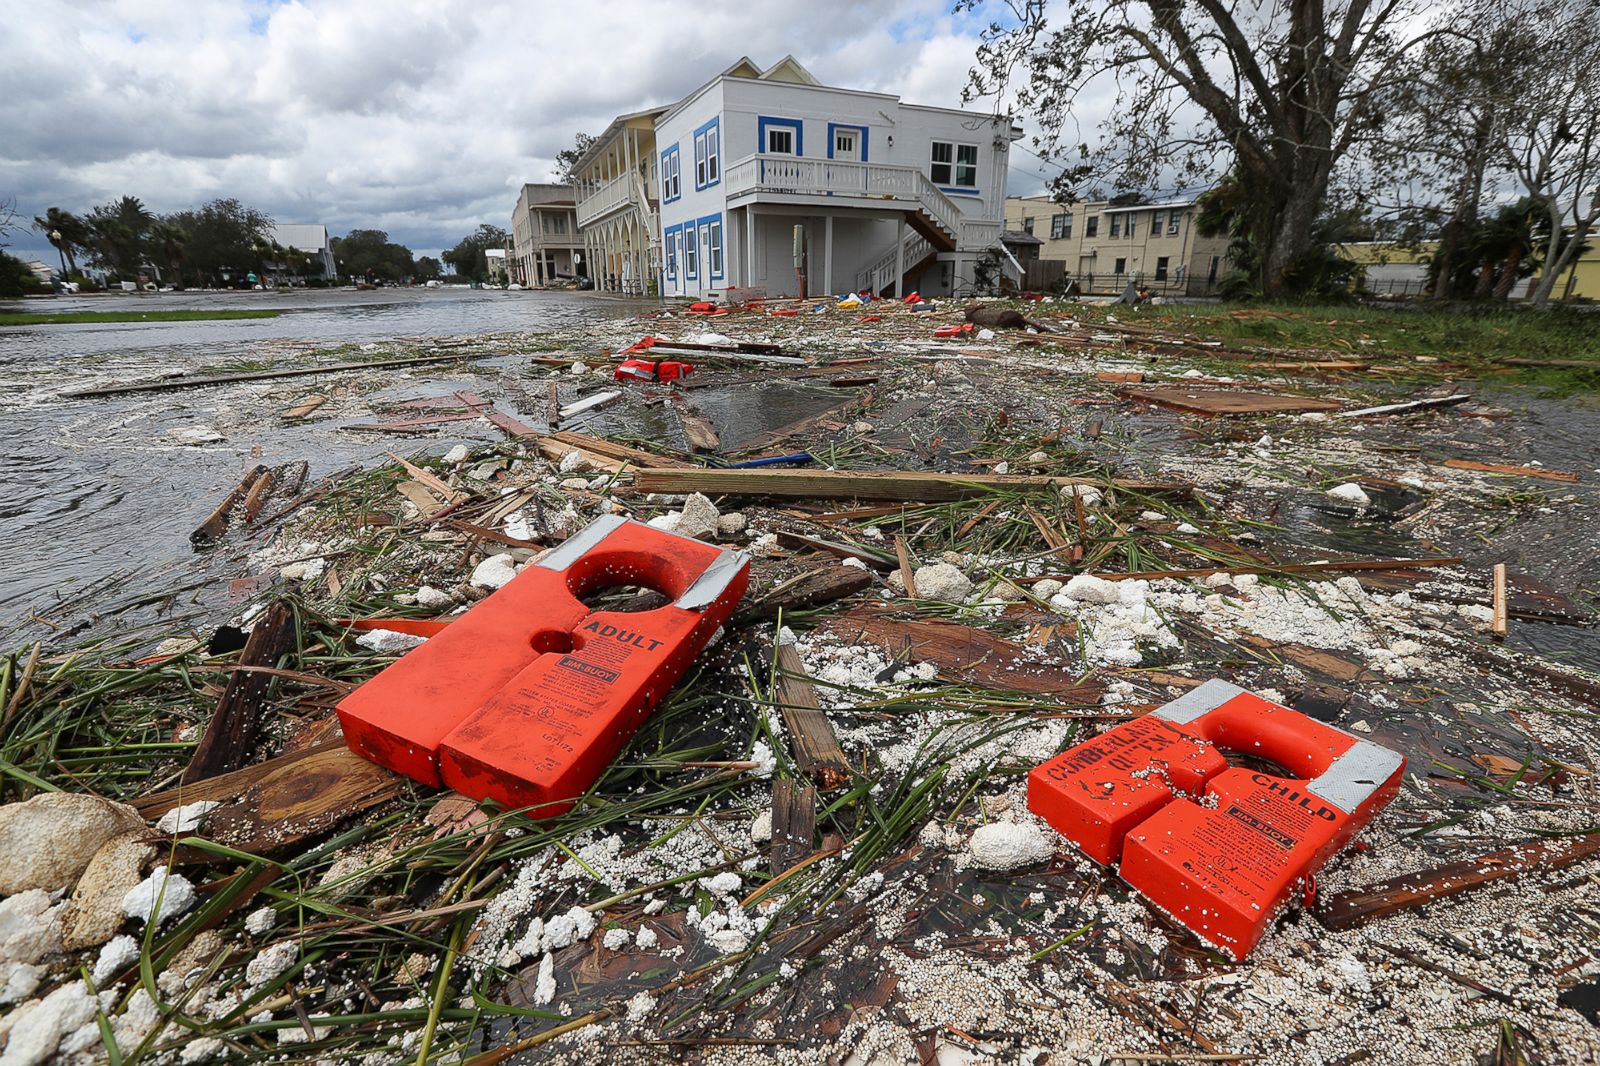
605	199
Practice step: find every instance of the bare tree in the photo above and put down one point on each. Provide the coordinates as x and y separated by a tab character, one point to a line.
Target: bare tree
1281	89
1552	141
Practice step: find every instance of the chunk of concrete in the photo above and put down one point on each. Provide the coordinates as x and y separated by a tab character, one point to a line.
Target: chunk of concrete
47	841
1086	588
94	914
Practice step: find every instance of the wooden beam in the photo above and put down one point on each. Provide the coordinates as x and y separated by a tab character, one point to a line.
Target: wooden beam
907	575
216	524
1346	910
1499	599
794	823
230	738
1501	468
898	485
1340	566
816	748
812	588
268	375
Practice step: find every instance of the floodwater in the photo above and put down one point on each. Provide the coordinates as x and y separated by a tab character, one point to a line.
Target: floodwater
98	496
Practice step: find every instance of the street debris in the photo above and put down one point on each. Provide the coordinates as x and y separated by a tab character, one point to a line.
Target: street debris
630	714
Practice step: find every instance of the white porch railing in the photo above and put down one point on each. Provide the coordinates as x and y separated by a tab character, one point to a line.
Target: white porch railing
606	198
978	236
825	177
880	275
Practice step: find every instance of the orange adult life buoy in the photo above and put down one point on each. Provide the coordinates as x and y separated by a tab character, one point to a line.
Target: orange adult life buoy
526	697
1221	849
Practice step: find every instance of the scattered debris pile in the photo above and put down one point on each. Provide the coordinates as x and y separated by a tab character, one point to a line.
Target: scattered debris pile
819	847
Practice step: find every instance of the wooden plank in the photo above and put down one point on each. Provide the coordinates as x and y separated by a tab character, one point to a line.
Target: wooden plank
1213	402
964	654
268	375
1427	404
794	823
431	480
813	588
816	748
612	450
885	485
1120	377
1498	604
419	496
274	804
510	425
1346	910
230	737
304	407
592	402
1339	566
1502	468
698	430
552	405
216	524
839	551
256	498
907	575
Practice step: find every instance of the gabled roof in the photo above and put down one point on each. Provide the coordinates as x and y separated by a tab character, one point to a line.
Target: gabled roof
615	127
789	69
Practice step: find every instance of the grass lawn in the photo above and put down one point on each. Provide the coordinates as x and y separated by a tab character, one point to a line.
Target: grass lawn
48	318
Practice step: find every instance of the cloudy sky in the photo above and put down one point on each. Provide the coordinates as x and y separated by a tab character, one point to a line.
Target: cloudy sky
419	117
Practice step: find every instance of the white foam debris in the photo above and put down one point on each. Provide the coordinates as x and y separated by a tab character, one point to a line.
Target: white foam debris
1089	495
187	817
174	892
516	526
544	987
1086	588
261	921
640	1006
206	1049
39	1030
761	827
1008	845
269	965
22	980
616	939
389	641
117	955
1350	492
942	581
495	572
853	563
731	525
647	938
766	762
723	884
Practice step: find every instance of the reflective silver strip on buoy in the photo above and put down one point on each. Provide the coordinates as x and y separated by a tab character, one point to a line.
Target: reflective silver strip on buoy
713	582
1198	701
1354	776
580	543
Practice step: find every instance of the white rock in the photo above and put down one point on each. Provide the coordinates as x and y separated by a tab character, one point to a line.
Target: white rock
389	641
578	368
495	572
458	454
1088	494
730	525
47	841
1086	588
574	484
186	818
669	522
712	338
941	581
269	965
118	954
861	427
434	599
304	570
1008	845
854	564
986	334
261	921
1474	612
1350	492
174	891
699	517
575	462
1047	588
205	1049
38	1033
22	980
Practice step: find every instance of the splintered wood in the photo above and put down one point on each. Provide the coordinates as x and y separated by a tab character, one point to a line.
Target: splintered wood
816	749
230	737
1214	402
794	823
965	655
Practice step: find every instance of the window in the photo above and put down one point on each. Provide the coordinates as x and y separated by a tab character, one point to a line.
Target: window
1172	223
555	223
707	165
1060	227
1131	221
671	177
1161	268
1027	226
1091	226
954	164
691	253
780	140
1122	264
714	242
1116	229
1157	218
671	238
1211	275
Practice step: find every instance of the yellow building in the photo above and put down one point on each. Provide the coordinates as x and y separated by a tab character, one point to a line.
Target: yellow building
1105	245
1402	270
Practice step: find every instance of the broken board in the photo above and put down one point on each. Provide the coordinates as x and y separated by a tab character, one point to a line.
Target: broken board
1214	402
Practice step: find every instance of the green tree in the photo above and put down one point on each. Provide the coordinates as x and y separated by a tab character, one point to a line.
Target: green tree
1281	91
429	268
224	237
168	241
467	257
117	232
65	232
567	159
369	251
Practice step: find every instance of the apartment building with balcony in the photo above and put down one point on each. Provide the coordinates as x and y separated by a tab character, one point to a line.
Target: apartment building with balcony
767	180
546	245
1106	244
619	203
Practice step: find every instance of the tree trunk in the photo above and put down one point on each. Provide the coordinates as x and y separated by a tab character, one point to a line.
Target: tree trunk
1468	196
1558	262
1508	272
1290	235
1485	278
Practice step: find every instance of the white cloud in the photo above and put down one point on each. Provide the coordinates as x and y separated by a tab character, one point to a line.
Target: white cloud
414	116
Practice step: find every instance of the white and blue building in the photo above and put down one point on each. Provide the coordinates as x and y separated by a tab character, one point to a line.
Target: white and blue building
767	180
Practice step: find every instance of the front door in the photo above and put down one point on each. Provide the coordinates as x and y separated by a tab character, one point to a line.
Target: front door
847	145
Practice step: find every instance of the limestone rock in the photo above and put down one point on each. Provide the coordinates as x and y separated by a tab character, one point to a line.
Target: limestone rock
941	581
47	841
494	572
1086	588
1008	845
94	913
699	517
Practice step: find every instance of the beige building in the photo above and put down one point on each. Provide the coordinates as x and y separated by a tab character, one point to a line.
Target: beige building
545	242
619	208
1105	245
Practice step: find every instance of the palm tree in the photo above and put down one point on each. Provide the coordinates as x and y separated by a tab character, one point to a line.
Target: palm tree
168	238
60	228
